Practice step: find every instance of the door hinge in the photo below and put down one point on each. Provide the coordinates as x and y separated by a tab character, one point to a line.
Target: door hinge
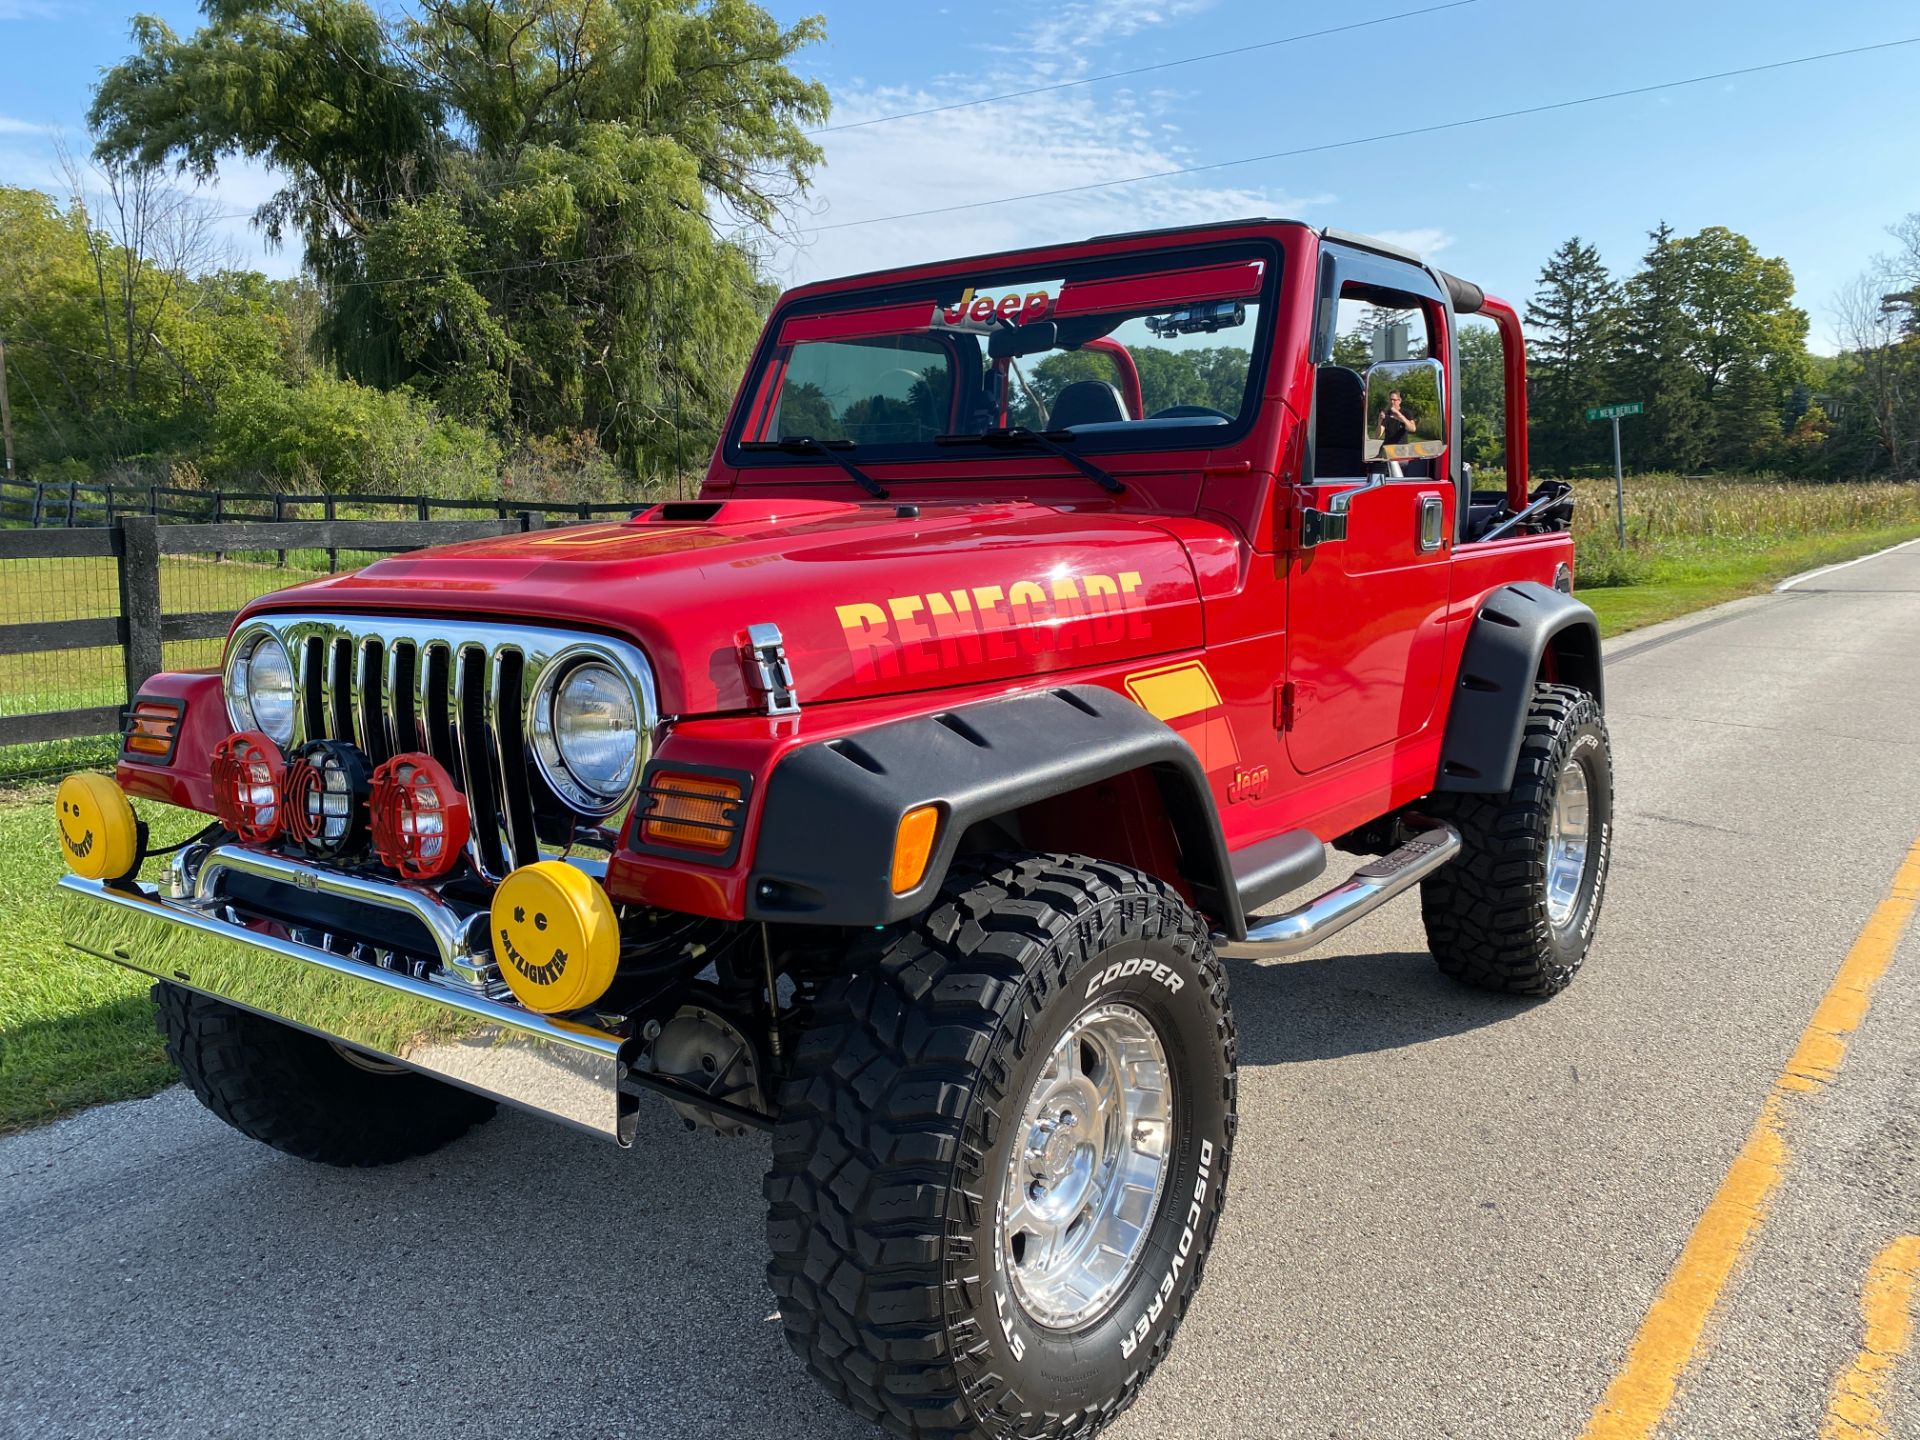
1283	706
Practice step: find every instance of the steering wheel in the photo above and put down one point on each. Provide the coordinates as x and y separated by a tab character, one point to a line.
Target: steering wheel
1191	412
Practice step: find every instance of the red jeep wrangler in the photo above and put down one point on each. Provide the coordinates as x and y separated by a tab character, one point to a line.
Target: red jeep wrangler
1044	620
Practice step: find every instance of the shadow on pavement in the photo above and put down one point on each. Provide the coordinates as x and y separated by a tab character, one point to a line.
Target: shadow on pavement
526	1281
1325	1007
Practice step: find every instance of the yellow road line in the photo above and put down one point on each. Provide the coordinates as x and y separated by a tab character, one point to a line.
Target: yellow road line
1639	1397
1886	1307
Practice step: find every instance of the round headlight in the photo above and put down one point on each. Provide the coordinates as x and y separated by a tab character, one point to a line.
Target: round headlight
586	731
260	688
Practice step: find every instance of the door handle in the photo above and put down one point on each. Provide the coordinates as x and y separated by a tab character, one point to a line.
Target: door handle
1433	520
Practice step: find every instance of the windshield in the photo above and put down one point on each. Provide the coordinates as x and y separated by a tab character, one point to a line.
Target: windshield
1139	352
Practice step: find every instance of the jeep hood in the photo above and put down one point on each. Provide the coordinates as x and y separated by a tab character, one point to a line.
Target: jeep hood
871	599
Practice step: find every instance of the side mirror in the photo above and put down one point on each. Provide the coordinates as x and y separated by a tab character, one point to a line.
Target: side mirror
1408	399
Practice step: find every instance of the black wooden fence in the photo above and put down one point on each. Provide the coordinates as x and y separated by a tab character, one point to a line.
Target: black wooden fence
66	505
136	543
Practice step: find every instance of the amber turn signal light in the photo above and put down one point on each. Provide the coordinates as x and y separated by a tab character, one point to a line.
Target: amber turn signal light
913	846
152	728
698	812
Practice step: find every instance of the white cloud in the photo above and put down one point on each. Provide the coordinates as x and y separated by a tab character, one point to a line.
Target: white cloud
1428	240
1074	30
955	161
11	126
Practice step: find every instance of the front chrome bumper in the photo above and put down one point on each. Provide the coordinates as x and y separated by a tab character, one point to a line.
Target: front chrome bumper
566	1071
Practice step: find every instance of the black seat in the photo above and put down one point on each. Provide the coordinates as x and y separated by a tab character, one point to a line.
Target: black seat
1087	402
1339	423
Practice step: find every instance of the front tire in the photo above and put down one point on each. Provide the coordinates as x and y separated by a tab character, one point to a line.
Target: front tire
303	1095
941	1135
1516	911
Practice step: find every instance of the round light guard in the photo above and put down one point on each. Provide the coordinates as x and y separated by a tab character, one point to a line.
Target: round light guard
591	725
249	780
420	822
259	685
326	799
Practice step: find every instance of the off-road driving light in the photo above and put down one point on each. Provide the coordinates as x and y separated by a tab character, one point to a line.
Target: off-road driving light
913	846
99	838
586	733
420	820
325	796
555	936
259	686
249	780
699	812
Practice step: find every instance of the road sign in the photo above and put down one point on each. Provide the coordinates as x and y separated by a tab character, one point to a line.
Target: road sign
1613	413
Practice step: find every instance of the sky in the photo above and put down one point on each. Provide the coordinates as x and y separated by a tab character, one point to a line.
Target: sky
1811	162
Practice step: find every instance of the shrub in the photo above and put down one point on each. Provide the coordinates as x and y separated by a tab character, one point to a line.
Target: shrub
336	435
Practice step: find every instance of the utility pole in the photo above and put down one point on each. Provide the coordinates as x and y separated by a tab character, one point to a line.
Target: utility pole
6	408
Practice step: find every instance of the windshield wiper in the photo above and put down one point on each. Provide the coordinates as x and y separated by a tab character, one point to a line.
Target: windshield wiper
1049	441
807	445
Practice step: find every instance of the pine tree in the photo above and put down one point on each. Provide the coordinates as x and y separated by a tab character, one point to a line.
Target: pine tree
1654	366
1573	318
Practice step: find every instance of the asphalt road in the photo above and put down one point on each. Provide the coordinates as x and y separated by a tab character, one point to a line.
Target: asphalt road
1450	1213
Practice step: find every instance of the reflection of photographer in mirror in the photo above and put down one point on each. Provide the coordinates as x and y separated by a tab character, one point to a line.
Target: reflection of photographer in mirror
1396	424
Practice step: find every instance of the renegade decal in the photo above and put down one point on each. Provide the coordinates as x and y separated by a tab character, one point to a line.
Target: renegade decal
921	634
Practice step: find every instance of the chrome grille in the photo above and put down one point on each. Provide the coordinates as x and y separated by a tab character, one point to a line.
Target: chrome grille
459	692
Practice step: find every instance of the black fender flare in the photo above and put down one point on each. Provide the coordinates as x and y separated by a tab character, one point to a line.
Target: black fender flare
1515	628
823	854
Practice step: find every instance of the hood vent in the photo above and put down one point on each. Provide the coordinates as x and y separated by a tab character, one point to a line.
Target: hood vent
741	512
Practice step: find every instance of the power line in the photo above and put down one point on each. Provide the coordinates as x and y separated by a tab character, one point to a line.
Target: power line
1365	139
1547	108
1140	69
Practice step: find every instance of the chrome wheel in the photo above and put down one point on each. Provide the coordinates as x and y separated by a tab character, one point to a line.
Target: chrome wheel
1089	1161
1567	844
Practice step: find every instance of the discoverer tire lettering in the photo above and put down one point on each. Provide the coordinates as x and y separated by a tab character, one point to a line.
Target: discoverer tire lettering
896	1131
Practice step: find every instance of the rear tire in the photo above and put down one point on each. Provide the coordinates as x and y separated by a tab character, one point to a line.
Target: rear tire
301	1095
1516	911
932	1092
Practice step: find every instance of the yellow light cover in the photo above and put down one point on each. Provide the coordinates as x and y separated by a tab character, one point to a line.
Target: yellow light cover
913	846
556	936
99	838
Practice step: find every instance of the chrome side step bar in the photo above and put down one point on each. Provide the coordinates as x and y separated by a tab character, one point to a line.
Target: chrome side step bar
1365	891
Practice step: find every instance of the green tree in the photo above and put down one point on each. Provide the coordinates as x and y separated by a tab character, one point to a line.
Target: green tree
1745	338
1483	392
522	208
1655	364
1574	318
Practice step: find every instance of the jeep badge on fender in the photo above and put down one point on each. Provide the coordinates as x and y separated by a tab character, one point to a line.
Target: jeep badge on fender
902	795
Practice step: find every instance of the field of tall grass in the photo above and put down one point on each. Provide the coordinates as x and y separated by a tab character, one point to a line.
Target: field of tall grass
1674	518
1696	541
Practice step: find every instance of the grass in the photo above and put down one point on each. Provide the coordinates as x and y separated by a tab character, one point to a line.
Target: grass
74	1031
1674	584
1695	543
